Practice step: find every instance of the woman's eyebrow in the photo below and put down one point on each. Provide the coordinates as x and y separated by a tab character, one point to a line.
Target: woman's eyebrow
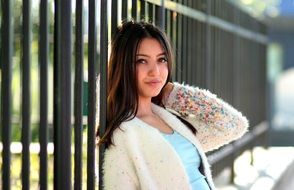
163	53
145	55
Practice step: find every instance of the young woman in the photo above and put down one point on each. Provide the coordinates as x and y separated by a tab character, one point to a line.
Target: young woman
158	131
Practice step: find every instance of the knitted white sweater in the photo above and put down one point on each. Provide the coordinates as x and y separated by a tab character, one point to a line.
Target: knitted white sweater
143	159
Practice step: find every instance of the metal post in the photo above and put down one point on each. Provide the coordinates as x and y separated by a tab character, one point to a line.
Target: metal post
62	130
43	62
124	12
208	54
6	54
103	86
56	91
134	9
78	96
26	98
114	10
160	16
92	74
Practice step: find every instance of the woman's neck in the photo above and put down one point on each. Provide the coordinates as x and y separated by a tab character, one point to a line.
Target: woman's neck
144	107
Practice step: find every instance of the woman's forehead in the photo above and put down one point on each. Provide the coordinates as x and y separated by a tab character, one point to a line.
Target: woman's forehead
150	45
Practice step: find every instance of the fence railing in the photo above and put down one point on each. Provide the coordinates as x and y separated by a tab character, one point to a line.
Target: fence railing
217	46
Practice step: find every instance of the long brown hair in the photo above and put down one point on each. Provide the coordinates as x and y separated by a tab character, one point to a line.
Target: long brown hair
122	97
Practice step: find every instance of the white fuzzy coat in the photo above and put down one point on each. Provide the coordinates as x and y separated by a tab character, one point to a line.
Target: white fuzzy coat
143	159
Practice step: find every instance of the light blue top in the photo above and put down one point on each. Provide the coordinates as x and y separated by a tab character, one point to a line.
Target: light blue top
190	158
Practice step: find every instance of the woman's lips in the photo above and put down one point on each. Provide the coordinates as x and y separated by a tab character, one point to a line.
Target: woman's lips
153	82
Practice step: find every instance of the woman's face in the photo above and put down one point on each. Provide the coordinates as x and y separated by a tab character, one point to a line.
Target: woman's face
151	68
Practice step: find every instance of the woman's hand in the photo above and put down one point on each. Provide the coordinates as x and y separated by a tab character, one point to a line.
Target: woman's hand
167	90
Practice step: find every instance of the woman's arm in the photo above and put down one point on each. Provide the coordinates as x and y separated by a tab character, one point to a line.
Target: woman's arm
217	122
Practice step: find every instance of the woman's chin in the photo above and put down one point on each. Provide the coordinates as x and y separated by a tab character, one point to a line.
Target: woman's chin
152	95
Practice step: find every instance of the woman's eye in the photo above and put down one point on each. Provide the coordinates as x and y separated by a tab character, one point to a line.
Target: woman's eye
141	61
162	60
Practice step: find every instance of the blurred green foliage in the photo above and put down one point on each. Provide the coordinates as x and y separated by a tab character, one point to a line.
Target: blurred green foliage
34	168
16	88
16	82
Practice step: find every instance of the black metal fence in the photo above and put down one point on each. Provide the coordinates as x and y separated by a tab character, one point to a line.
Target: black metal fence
217	46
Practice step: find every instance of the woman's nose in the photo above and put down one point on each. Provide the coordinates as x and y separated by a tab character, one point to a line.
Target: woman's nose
154	69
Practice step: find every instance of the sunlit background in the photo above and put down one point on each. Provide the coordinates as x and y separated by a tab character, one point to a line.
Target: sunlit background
276	163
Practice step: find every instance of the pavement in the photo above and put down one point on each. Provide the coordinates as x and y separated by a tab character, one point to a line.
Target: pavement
273	169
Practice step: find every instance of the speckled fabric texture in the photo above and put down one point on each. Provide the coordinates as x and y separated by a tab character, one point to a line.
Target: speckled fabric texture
143	159
216	121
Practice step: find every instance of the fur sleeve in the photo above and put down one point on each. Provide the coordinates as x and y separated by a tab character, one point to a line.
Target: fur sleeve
217	122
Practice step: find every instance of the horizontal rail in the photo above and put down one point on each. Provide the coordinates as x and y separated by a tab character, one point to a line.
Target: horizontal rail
213	21
233	150
16	148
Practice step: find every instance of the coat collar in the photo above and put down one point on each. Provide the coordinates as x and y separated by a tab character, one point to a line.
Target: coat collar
178	126
174	123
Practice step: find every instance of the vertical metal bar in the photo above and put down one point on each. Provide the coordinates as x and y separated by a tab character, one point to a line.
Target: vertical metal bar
184	45
179	47
103	86
124	12
189	52
173	22
217	54
56	95
236	68
6	54
92	74
232	171
114	19
26	98
167	27
201	47
241	84
195	53
160	16
65	93
208	54
134	9
221	63
150	12
1	13
214	76
78	95
189	46
63	129
142	13
231	66
43	62
266	90
192	59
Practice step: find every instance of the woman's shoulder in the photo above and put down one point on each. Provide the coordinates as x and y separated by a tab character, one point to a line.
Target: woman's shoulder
129	132
121	134
127	128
